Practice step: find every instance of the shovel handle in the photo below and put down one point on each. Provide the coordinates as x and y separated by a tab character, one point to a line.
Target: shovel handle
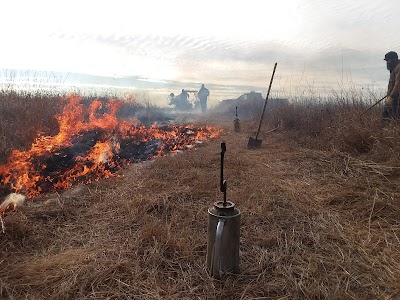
376	103
266	100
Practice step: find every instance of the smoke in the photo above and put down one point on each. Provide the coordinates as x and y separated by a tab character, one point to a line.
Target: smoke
13	200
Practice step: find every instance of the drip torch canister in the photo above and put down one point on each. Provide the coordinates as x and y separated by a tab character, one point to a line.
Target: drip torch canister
223	232
236	123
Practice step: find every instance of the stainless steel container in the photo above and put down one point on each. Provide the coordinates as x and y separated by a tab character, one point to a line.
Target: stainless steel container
223	238
236	123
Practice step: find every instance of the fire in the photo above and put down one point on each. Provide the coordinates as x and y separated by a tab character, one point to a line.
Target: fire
11	202
91	143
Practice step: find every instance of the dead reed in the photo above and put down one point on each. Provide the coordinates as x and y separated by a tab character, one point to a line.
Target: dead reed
23	116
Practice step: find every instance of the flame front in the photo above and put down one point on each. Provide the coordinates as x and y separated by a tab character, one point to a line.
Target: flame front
91	144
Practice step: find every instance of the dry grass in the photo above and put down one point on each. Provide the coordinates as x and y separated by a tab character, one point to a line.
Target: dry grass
23	117
316	224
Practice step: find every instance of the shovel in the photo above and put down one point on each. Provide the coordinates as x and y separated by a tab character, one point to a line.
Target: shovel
376	103
256	143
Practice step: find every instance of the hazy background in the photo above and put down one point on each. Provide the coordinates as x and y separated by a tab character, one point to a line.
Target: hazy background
321	46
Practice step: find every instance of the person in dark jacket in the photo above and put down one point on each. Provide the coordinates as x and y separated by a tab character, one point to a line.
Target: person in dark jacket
392	100
203	97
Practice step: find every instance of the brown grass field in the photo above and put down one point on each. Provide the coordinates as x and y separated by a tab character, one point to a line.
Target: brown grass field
320	218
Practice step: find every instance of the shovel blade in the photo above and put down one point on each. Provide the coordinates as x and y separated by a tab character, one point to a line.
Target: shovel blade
254	143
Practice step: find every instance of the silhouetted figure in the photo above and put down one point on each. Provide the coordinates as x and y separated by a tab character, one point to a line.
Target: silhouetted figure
171	99
203	97
180	101
184	95
392	100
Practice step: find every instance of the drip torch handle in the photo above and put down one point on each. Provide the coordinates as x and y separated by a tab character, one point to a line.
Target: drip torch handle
225	185
223	182
223	150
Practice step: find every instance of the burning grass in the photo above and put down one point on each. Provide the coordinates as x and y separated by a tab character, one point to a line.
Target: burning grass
318	222
91	143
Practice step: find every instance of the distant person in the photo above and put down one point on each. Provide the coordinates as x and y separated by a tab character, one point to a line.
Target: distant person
203	97
392	100
171	98
182	102
184	95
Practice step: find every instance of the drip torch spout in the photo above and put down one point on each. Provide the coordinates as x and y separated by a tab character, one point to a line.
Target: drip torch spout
223	183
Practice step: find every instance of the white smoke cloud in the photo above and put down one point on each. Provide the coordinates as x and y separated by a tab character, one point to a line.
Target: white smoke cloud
12	201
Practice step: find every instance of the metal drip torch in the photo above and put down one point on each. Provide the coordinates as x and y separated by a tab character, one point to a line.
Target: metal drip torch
223	232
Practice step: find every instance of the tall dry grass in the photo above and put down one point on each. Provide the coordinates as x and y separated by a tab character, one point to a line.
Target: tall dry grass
342	125
23	116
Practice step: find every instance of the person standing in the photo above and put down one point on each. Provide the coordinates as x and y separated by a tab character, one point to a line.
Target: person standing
203	97
392	97
181	101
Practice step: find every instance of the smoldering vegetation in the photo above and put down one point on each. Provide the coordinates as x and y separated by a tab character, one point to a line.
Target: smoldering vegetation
319	202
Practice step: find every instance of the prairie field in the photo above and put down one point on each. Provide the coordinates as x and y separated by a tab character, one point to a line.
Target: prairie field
319	202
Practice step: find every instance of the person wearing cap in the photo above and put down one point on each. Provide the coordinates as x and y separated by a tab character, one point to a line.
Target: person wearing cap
392	96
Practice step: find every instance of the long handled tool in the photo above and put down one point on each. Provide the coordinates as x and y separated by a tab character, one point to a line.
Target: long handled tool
376	103
256	143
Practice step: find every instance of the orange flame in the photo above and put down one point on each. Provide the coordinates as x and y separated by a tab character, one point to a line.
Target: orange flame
91	144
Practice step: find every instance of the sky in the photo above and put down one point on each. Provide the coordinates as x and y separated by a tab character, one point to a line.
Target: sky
319	45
